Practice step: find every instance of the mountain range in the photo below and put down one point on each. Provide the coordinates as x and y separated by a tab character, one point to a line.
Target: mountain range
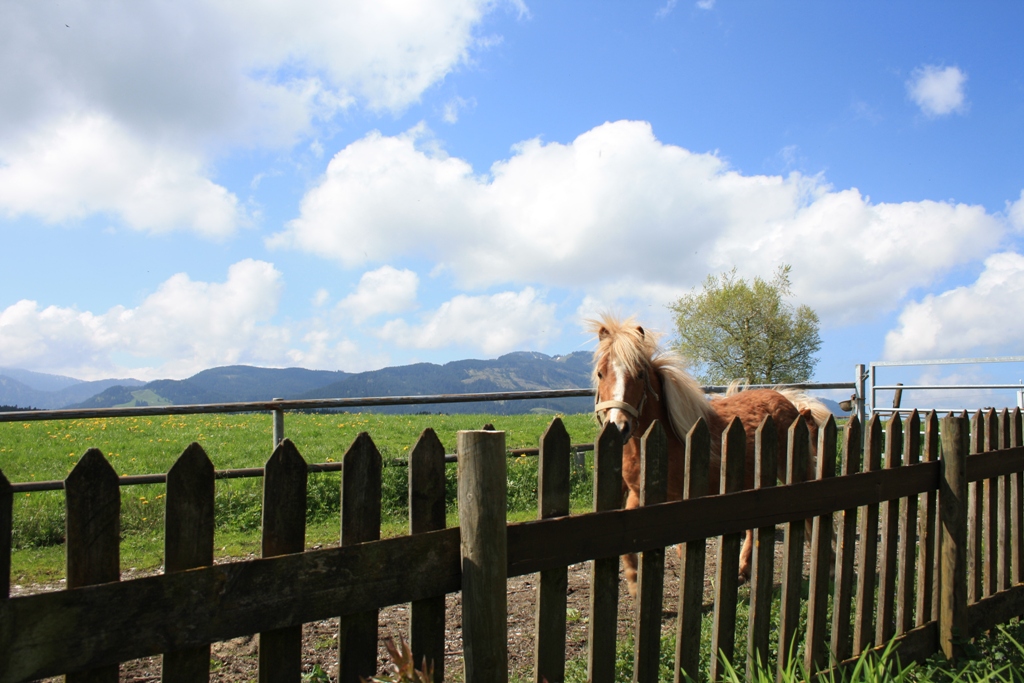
521	371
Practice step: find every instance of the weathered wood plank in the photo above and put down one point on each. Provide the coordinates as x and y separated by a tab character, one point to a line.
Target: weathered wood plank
885	624
552	501
651	577
975	516
1005	544
188	543
93	501
953	600
691	576
537	545
6	530
727	565
482	501
53	633
908	549
845	549
792	551
762	568
427	513
867	549
360	522
604	572
1017	503
928	533
284	531
816	650
994	610
990	542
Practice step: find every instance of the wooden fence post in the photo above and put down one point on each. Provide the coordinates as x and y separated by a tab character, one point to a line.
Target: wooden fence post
483	492
867	549
360	522
816	645
908	530
93	500
975	516
845	548
762	565
727	565
885	626
928	533
1017	497
792	550
691	576
953	513
6	532
188	543
552	501
604	572
284	532
650	583
992	506
1005	509
427	513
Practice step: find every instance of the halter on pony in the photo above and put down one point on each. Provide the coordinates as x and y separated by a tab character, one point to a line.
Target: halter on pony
600	408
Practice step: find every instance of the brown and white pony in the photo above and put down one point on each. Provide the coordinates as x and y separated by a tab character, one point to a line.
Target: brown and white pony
637	382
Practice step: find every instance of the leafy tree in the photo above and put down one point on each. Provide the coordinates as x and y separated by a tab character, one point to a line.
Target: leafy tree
733	329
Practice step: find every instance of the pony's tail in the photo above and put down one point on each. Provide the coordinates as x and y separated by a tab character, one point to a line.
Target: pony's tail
803	402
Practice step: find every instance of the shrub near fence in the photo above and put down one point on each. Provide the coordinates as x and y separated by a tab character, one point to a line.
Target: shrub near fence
929	597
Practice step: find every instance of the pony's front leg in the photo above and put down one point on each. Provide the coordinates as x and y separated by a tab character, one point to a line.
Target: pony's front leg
630	560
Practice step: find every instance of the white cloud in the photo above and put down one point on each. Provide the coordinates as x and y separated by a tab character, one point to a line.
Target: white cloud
617	209
938	91
984	317
183	327
88	164
494	324
174	84
1015	213
385	290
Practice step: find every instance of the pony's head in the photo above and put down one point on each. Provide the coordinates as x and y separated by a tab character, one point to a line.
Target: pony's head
630	370
621	376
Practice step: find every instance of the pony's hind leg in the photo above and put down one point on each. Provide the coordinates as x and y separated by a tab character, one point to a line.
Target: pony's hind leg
630	562
745	556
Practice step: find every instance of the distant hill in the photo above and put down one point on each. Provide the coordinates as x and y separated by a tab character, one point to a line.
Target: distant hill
226	384
38	390
520	371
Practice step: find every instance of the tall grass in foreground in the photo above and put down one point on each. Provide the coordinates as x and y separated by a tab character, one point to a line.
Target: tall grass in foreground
997	657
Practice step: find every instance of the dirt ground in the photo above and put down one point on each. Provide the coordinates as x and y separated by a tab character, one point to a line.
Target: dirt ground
235	660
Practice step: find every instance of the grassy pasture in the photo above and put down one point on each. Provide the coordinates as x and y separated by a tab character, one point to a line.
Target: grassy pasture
48	450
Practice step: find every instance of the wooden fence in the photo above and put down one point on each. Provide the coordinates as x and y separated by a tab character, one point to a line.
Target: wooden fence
928	551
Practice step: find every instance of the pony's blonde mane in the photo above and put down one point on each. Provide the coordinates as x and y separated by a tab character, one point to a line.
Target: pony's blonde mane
637	349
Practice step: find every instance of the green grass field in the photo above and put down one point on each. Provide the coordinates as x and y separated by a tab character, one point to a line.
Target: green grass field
44	451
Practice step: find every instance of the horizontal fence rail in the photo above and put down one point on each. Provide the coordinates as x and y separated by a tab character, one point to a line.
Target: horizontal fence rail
276	405
943	540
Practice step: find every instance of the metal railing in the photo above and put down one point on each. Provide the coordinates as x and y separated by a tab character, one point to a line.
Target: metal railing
875	387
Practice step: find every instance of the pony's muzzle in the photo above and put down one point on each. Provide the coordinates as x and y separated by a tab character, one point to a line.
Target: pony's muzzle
619	413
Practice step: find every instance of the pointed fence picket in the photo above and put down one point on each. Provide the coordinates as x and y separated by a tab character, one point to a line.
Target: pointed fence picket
911	523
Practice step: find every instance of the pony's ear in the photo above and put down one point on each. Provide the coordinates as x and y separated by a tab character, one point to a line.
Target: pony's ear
603	333
640	330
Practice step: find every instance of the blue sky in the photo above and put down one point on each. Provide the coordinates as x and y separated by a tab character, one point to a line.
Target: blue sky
360	184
